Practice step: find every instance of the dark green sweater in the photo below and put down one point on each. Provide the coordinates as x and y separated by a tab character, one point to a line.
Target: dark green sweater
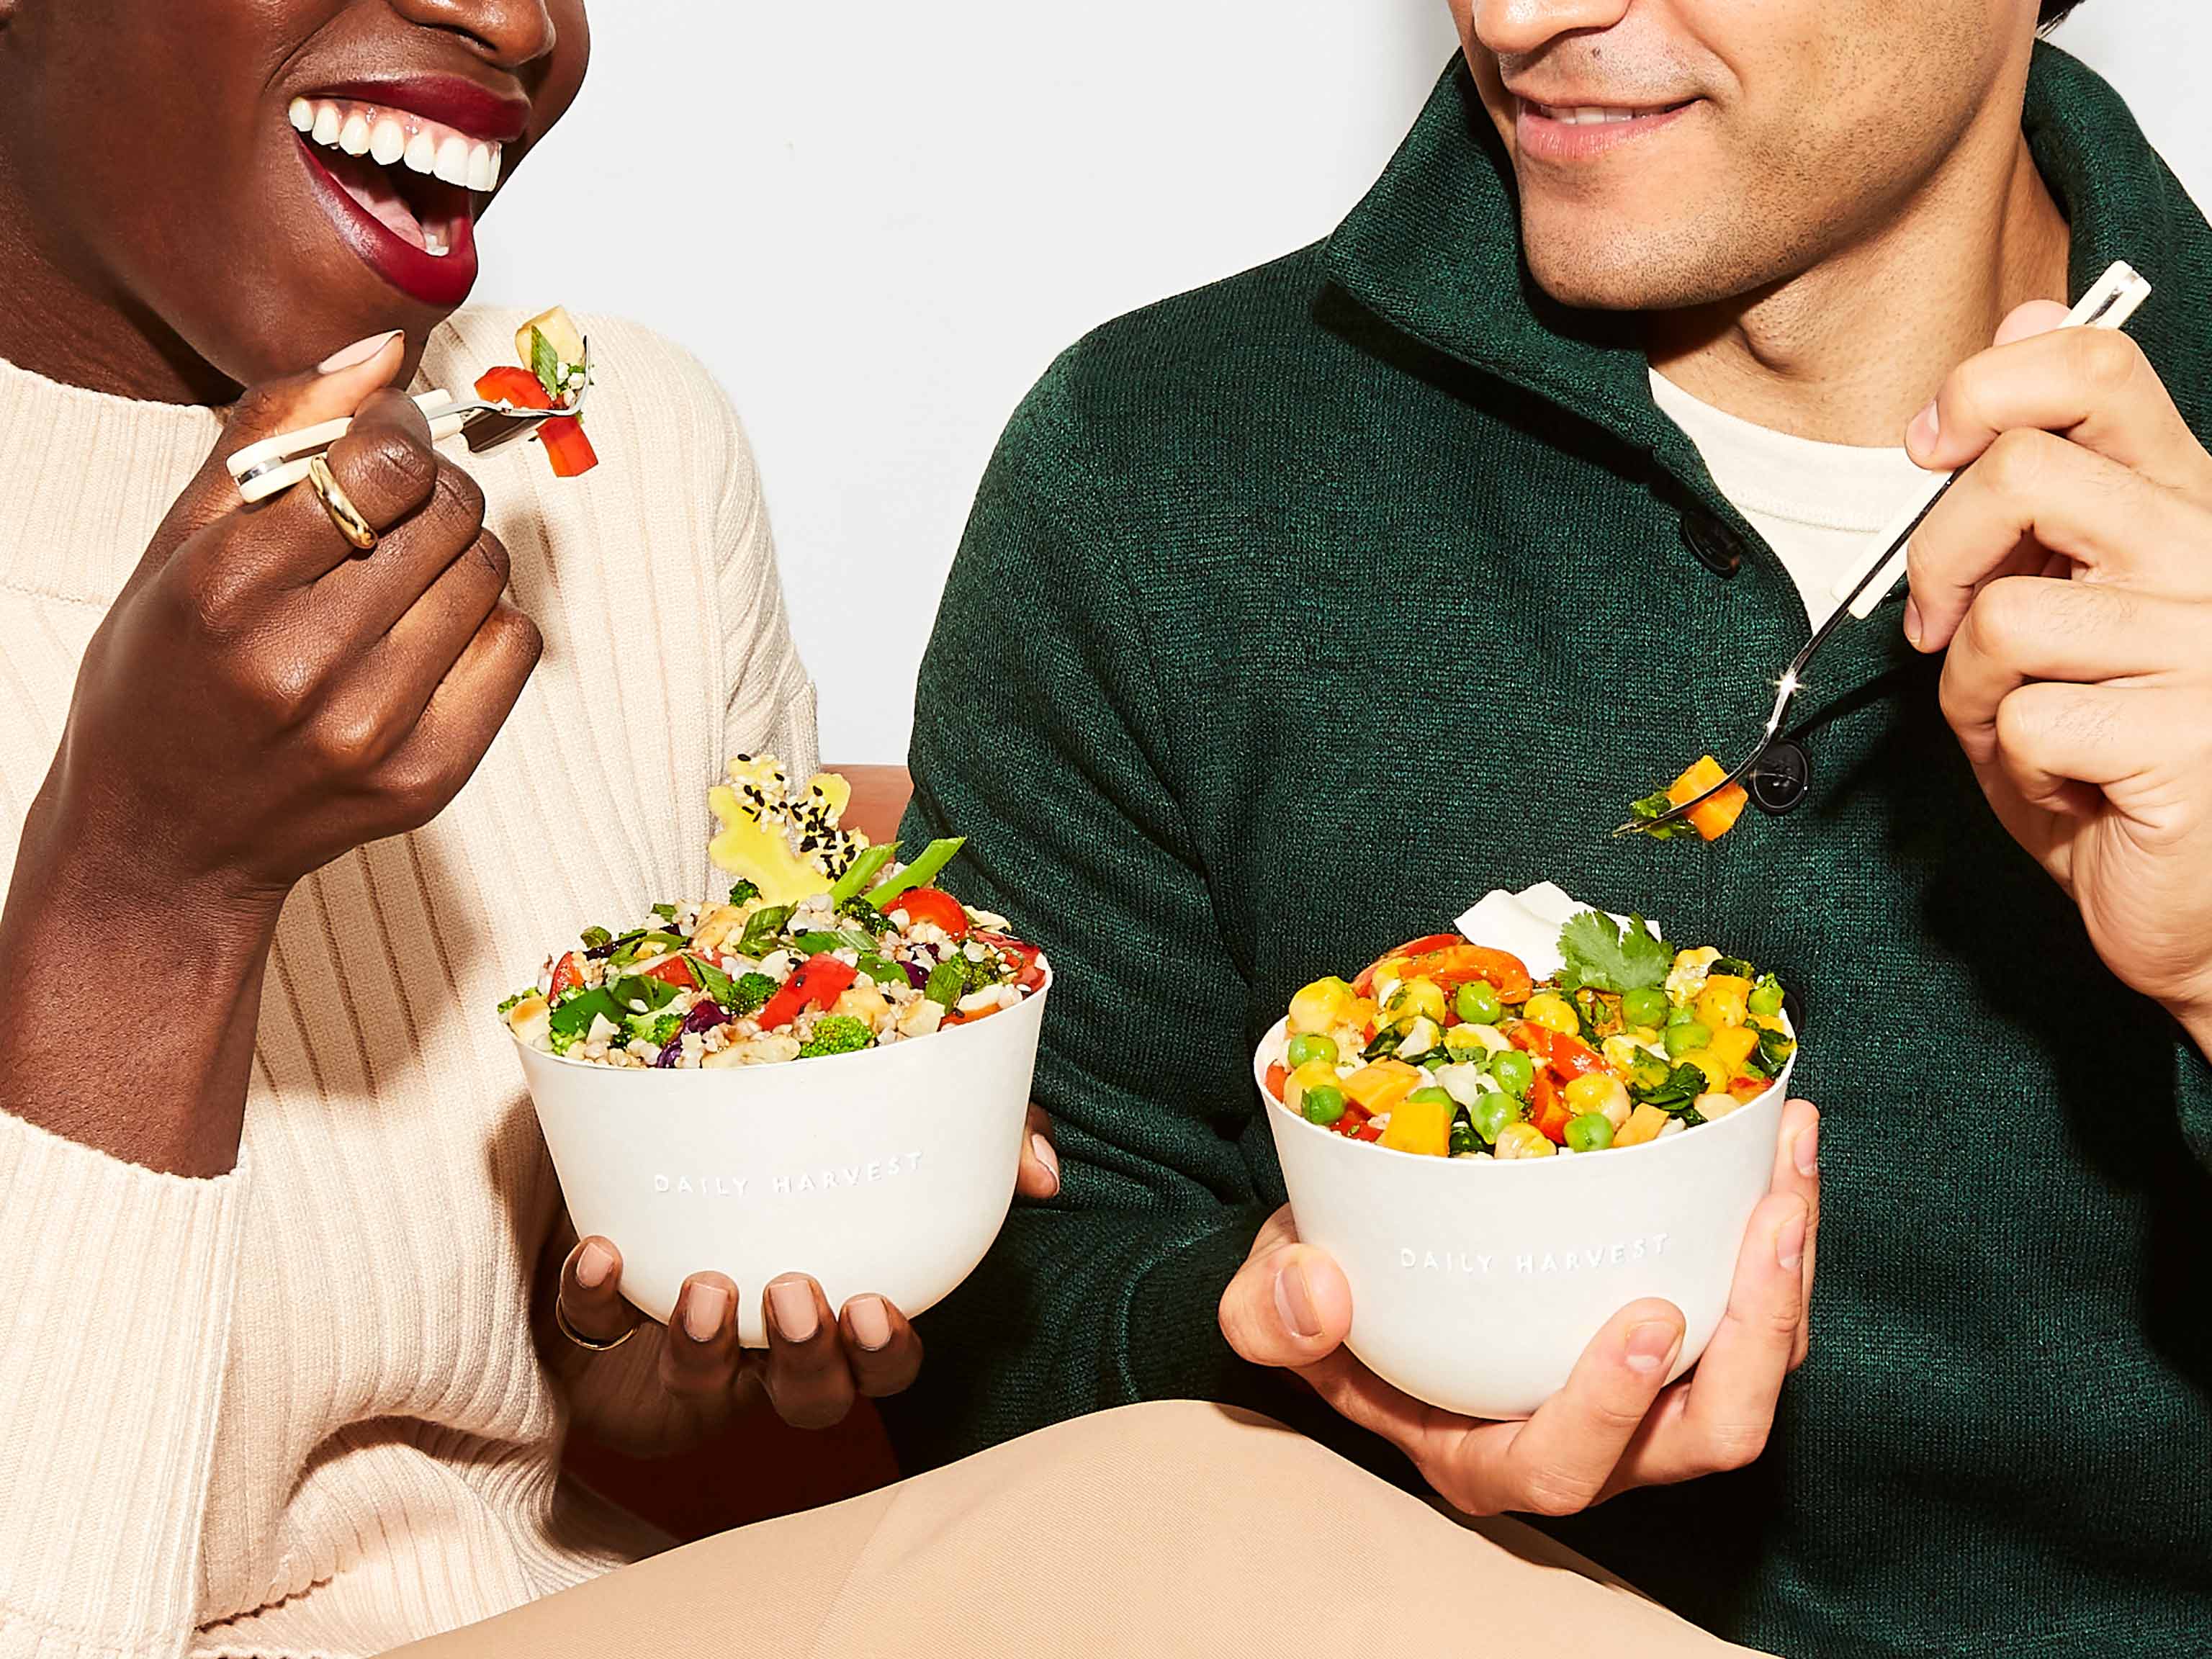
1297	612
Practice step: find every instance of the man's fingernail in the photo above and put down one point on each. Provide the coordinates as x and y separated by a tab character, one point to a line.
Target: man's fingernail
1912	619
1042	1149
703	1308
1927	426
793	1302
871	1320
1294	1302
594	1265
1808	1150
356	354
1790	1243
1651	1344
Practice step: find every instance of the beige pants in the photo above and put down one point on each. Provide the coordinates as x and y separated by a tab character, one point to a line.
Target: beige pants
1169	1528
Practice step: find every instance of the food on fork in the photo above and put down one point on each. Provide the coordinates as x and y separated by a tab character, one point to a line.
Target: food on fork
550	347
825	946
1448	1047
1712	819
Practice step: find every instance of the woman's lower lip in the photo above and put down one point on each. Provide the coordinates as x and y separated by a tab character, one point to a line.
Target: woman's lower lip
1537	135
428	278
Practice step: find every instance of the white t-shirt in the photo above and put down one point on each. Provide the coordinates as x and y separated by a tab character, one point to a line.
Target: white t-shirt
1818	505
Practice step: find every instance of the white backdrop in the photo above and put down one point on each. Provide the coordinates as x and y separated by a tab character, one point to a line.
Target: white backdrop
879	223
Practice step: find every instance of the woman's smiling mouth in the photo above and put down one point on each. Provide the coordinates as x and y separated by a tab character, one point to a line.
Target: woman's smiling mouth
401	175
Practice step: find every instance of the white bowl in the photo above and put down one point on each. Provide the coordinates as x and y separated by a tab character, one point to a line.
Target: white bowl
1475	1285
888	1171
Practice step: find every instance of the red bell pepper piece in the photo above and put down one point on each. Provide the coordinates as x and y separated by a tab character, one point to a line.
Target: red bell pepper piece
1570	1056
1420	946
1276	1075
675	971
819	981
934	904
1547	1111
565	446
567	974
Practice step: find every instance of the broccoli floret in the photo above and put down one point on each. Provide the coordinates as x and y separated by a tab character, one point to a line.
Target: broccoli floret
659	1029
960	974
530	991
750	994
744	892
837	1034
864	916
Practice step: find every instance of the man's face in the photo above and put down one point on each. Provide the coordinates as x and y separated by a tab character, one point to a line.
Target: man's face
1744	142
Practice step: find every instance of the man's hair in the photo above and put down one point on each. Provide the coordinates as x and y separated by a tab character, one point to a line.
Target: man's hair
2053	11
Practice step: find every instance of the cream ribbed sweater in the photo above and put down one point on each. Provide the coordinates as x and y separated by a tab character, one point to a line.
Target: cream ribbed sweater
296	1410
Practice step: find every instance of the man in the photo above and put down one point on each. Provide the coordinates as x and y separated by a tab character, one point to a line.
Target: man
1296	612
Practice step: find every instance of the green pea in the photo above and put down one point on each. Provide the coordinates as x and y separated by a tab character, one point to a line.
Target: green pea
1590	1132
1491	1113
1323	1103
1645	1006
1312	1046
1515	1071
1766	997
1432	1097
1687	1038
1477	1004
1680	1014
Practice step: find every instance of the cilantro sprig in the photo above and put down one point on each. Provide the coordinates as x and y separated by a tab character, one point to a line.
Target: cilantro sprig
1599	953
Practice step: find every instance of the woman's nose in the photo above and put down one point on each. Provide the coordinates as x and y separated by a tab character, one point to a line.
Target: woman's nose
512	32
1512	26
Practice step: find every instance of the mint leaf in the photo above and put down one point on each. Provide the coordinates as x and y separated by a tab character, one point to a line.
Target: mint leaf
1599	953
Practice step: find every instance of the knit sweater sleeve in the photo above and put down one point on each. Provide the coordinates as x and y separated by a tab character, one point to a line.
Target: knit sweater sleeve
1042	735
116	1287
2193	1094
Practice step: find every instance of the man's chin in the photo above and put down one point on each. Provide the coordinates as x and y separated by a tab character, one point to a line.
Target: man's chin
1619	276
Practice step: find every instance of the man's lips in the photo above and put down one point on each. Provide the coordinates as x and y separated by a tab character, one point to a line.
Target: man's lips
1578	132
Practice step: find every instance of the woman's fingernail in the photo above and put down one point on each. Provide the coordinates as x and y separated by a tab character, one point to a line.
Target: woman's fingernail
1790	1243
1042	1149
1927	426
356	354
594	1264
1294	1302
1651	1344
871	1320
793	1302
1913	620
703	1308
1808	1150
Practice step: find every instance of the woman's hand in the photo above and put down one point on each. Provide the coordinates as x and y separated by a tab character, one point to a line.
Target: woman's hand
1617	1424
259	701
2069	576
817	1360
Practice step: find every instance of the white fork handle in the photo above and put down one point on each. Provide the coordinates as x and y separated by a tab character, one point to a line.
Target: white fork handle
2118	295
295	449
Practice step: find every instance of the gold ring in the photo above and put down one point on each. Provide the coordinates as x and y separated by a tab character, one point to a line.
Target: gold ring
336	502
591	1343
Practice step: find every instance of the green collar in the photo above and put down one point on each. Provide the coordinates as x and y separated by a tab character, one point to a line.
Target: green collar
1435	250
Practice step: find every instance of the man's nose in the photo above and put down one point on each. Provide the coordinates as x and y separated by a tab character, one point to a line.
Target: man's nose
1509	27
510	33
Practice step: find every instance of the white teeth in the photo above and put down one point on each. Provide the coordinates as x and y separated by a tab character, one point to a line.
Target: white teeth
434	242
453	161
394	138
1585	115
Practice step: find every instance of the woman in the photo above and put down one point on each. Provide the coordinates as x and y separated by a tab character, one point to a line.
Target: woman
273	1217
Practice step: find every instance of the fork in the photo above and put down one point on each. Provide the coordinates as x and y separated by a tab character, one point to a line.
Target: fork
2116	296
274	464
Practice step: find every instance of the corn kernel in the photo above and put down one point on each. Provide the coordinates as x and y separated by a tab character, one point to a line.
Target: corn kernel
1552	1012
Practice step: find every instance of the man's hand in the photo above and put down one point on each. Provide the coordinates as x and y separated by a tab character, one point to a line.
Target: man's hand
2068	575
1618	1423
